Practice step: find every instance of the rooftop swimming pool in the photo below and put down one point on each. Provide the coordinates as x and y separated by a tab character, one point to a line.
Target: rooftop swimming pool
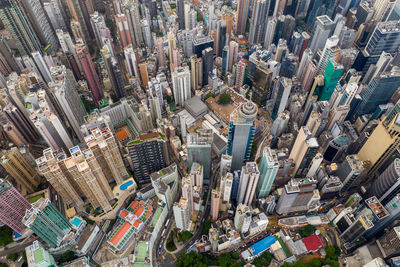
76	221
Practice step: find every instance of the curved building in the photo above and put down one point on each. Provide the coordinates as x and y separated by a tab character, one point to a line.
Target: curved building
388	183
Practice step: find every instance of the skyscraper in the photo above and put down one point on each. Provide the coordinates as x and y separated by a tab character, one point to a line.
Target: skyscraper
208	63
199	147
55	14
89	70
257	22
20	170
242	218
328	54
269	166
43	257
242	13
123	29
323	28
281	96
241	133
64	90
41	24
215	201
148	154
332	74
18	26
304	149
248	183
387	185
181	85
47	222
12	206
181	14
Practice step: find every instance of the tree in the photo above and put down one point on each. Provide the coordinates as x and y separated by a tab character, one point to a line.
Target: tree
12	256
3	264
224	99
209	95
5	235
315	263
206	227
263	260
307	231
68	256
235	255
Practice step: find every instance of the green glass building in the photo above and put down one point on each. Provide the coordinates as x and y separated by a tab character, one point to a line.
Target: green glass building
47	222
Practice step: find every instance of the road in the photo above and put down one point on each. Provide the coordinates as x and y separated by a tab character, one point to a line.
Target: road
19	248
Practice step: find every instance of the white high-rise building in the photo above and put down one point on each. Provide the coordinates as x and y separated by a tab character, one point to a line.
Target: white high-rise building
322	30
67	46
64	90
181	85
131	62
270	31
248	183
53	11
257	21
43	69
328	53
226	186
242	218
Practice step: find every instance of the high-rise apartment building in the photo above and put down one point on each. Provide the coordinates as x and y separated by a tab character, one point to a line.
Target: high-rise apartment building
12	206
208	63
248	183
148	154
64	91
215	201
226	186
89	70
257	21
20	170
242	13
47	222
349	170
37	16
199	148
123	29
269	166
181	85
38	256
54	12
241	134
242	218
181	214
19	27
328	54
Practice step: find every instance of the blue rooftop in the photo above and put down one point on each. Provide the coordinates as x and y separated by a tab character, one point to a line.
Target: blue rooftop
262	245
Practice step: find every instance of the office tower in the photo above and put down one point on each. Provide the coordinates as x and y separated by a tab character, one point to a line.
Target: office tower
196	77
89	70
323	28
181	214
199	149
208	63
316	162
248	183
40	23
241	134
38	256
289	65
269	166
123	30
379	91
241	16
337	115
269	31
19	27
201	43
304	149
226	186
381	145
47	121
221	37
302	8
13	206
17	166
242	218
257	21
47	222
55	14
215	200
378	41
225	60
332	74
181	85
387	185
281	96
364	13
148	154
328	53
389	244
298	195
240	73
181	14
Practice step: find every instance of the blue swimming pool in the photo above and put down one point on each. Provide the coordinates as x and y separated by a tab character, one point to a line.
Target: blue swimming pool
125	185
76	221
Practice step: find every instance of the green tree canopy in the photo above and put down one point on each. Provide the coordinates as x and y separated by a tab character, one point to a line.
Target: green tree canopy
224	99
